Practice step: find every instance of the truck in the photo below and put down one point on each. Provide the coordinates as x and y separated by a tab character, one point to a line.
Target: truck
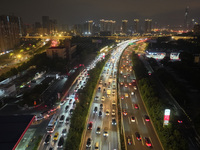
108	93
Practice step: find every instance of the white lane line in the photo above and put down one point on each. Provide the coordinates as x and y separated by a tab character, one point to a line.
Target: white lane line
126	106
151	141
142	140
129	120
136	120
143	121
133	140
91	144
132	106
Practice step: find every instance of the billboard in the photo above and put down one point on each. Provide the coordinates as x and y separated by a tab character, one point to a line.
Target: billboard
166	117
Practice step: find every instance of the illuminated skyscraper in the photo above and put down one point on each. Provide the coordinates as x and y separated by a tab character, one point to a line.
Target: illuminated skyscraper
124	26
107	25
147	27
136	26
186	24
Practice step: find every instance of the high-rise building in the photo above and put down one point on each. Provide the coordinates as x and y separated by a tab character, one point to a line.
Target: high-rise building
124	26
46	24
147	27
136	26
10	32
186	23
88	27
107	25
196	29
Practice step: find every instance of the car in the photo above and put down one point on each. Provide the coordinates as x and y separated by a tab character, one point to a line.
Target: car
122	97
136	106
134	87
55	137
105	132
180	121
138	136
96	146
99	88
100	113
47	139
130	84
125	85
114	121
100	82
62	103
95	110
60	142
125	113
147	142
66	108
96	98
50	148
98	130
121	83
67	120
88	143
62	117
89	126
133	80
104	90
70	101
129	141
146	118
124	76
113	103
64	132
75	90
102	98
107	112
132	93
113	93
113	112
132	119
101	106
71	111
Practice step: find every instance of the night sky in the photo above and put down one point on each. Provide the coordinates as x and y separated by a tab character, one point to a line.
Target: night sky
78	11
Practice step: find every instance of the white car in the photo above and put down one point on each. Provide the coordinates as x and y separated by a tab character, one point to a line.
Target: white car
102	98
132	93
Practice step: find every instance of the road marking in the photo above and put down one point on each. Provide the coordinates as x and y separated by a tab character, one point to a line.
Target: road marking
133	139
126	106
129	120
142	140
91	144
132	106
143	121
136	121
151	141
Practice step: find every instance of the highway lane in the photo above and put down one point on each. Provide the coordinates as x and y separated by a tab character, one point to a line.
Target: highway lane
108	76
140	125
69	100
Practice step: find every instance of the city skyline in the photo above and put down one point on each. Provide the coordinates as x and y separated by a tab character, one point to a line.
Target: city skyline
68	12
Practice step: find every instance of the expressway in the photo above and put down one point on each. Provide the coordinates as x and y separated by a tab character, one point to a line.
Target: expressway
69	101
105	95
132	106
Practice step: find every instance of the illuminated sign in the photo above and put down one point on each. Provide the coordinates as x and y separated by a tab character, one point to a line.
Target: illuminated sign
166	117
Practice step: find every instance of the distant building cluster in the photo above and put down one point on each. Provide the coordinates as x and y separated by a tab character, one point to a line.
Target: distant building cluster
10	32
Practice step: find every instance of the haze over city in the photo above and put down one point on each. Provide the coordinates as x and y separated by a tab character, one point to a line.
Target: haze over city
100	75
78	11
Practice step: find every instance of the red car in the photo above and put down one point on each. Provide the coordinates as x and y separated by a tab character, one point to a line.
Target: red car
122	97
136	106
147	118
126	85
147	142
90	126
125	113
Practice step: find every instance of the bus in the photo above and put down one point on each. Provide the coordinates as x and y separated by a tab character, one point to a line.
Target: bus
52	124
